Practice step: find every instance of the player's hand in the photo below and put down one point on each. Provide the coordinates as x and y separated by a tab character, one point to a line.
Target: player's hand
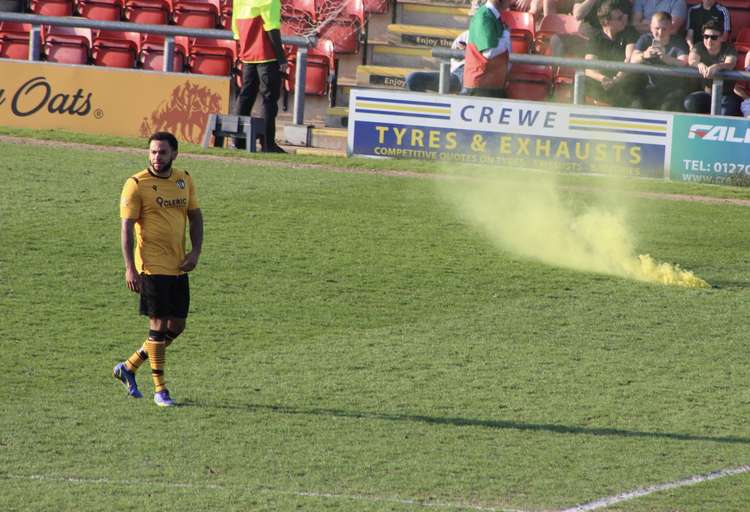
132	280
190	262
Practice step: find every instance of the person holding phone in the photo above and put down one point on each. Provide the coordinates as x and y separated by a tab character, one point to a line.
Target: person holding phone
660	47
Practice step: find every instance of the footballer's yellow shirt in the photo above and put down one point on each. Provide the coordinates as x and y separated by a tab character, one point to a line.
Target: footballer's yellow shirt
159	206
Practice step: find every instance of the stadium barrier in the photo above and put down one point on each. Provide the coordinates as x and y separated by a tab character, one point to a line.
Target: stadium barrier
169	32
447	129
581	64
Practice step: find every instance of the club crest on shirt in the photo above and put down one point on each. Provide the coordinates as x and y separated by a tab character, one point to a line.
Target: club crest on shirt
180	183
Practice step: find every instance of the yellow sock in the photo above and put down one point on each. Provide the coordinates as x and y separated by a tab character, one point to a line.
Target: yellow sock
156	355
136	360
139	356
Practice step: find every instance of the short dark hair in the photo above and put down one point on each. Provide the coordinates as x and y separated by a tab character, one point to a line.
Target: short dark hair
607	6
164	136
712	24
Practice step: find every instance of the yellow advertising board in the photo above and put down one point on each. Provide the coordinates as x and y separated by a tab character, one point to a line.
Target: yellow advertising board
108	100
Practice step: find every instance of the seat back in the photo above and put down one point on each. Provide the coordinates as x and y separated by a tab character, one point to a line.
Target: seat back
69	45
151	55
14	40
51	7
522	29
148	12
115	49
197	13
103	10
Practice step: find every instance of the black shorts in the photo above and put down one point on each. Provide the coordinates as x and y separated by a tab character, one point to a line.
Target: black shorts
165	296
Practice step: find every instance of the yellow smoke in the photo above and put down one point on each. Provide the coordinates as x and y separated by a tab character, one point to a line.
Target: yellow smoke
528	217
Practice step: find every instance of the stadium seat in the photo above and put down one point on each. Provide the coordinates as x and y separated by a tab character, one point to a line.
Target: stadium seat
529	82
298	17
212	56
742	42
149	12
151	55
115	49
341	21
522	30
103	10
739	17
14	40
196	13
69	45
321	66
51	7
376	6
555	24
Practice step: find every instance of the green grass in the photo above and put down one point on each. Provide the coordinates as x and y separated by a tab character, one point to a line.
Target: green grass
354	345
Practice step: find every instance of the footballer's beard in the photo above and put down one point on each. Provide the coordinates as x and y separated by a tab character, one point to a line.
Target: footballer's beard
165	169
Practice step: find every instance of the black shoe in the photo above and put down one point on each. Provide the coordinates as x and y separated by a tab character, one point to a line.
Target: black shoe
275	148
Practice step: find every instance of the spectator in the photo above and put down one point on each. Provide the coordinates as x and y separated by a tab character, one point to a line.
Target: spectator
699	14
422	81
536	7
661	47
613	42
742	89
487	50
585	12
709	56
644	9
256	25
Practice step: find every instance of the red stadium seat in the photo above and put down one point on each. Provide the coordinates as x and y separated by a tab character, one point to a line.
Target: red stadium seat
14	40
197	13
115	49
297	17
51	7
103	10
555	24
212	56
739	16
149	12
529	82
69	45
343	23
151	55
522	30
321	66
742	42
376	6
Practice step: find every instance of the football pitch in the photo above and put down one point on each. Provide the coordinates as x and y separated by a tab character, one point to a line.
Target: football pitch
355	343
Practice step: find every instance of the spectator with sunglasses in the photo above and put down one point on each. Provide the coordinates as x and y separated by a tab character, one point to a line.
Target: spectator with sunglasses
710	56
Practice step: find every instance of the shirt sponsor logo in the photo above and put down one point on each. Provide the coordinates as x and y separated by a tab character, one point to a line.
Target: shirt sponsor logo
180	202
718	133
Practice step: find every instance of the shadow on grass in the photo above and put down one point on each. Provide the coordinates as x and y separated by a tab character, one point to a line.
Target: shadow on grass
463	422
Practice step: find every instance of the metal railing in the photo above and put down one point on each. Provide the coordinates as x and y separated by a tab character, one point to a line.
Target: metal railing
580	65
169	32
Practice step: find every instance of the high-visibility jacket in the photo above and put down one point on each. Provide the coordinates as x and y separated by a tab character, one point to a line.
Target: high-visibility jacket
252	20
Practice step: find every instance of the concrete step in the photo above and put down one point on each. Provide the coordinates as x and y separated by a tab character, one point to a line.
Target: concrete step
383	76
390	55
329	138
421	36
337	117
435	14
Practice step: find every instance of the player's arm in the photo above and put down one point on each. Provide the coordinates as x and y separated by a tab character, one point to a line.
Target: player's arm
195	217
127	241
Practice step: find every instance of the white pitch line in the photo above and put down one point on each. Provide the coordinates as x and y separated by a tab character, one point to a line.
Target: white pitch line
645	491
302	494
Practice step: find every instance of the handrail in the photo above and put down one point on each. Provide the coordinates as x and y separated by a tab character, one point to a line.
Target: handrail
581	64
167	30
